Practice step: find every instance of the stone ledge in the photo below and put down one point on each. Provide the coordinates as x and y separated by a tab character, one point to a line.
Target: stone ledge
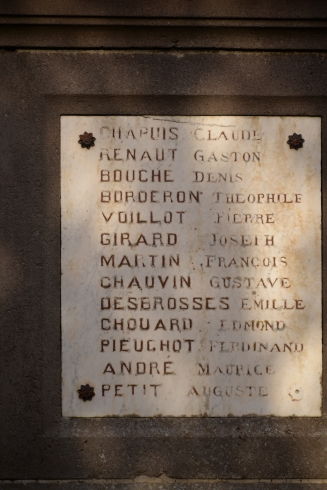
161	483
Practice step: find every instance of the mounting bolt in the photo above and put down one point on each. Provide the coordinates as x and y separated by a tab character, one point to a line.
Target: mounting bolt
295	141
86	392
296	393
86	140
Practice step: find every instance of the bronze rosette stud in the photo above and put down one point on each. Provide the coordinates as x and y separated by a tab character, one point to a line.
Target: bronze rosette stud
86	140
295	141
86	392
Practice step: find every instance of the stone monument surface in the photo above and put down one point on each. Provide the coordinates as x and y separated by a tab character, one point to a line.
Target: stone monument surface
191	266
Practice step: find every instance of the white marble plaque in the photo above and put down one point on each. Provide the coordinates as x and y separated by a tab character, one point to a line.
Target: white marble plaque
191	266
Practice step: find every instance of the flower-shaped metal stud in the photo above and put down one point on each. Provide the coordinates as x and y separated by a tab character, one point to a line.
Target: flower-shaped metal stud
295	141
86	392
86	140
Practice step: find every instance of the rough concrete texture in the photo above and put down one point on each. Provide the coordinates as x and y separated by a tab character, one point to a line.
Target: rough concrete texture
117	34
212	36
149	73
38	87
180	8
205	485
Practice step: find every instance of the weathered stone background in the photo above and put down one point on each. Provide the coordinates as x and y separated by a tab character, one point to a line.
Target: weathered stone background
126	57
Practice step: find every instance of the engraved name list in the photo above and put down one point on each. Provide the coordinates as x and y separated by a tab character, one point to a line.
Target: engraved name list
191	266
